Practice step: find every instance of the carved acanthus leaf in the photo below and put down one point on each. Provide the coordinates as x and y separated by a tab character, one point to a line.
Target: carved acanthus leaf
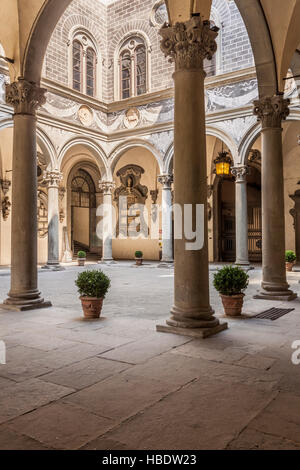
189	43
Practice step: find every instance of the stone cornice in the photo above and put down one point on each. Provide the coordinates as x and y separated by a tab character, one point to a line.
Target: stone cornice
230	77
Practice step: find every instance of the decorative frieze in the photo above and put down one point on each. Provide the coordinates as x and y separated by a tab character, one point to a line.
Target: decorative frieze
271	110
25	97
189	43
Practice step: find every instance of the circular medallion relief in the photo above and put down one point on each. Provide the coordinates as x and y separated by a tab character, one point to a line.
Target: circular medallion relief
132	118
290	84
159	14
85	115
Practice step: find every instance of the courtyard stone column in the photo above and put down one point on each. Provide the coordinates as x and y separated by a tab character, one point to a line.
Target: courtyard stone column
107	188
24	294
52	180
271	111
241	215
167	218
188	44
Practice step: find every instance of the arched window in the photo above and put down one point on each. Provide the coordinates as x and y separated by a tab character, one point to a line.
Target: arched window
90	72
83	190
84	65
141	70
133	68
77	65
126	78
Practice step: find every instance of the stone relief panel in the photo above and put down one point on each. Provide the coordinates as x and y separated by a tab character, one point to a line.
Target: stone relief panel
3	80
236	95
230	96
161	140
237	128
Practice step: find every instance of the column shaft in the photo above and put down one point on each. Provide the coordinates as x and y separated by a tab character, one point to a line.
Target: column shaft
241	215
52	179
107	190
167	219
24	292
189	44
271	111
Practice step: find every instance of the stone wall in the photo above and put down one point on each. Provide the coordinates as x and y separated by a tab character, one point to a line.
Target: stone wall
109	24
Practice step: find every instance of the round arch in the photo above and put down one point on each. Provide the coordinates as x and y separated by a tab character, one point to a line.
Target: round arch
254	132
45	142
96	150
117	153
262	46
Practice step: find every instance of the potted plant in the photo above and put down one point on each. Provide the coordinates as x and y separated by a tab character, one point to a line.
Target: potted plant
81	257
139	258
92	287
290	259
231	282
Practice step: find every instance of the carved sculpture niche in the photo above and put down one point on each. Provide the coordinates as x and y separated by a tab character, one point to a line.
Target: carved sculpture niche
131	188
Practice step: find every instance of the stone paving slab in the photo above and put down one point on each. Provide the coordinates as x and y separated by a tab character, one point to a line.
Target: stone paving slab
254	440
85	373
10	440
134	388
62	426
121	396
202	415
21	398
144	349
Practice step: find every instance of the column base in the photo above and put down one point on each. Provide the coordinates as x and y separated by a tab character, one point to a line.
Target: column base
107	261
201	333
53	267
274	291
281	297
246	266
166	264
23	305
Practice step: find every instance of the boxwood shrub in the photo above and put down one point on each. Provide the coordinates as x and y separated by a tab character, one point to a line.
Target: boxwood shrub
231	280
93	284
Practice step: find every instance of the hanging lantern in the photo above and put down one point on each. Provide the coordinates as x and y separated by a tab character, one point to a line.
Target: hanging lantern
223	164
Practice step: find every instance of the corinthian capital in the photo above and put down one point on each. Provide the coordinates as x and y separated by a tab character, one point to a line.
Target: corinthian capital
240	173
189	43
52	178
25	96
272	110
107	187
166	181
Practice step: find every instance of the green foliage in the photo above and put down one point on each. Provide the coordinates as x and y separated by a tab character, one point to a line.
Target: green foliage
231	280
139	254
93	284
81	254
290	256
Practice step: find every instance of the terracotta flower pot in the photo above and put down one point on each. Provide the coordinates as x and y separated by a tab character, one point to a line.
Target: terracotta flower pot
233	304
289	266
92	307
139	261
81	261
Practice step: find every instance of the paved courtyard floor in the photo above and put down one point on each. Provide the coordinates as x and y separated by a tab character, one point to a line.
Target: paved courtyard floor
117	384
